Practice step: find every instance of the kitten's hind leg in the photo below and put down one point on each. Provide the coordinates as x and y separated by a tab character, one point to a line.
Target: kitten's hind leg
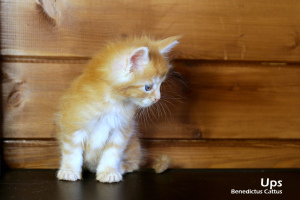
71	164
132	156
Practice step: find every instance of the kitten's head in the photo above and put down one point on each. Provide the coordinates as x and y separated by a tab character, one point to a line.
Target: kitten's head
138	71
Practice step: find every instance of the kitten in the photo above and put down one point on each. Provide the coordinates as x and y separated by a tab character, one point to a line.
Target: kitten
96	127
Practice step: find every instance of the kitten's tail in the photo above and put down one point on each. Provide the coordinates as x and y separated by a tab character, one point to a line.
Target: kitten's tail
162	163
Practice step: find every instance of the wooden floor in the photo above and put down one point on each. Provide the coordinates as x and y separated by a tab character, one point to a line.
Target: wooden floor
145	184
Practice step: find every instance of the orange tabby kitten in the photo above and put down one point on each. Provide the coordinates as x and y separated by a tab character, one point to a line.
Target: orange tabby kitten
96	118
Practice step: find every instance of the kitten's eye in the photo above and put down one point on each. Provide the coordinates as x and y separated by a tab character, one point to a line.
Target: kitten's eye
148	87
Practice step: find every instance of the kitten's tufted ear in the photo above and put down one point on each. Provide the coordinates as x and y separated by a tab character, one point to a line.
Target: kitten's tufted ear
138	58
166	45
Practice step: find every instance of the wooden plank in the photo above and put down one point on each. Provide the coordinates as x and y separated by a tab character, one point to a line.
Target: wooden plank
31	154
222	100
185	154
218	30
31	93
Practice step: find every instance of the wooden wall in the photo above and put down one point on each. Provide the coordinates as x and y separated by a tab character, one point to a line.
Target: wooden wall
235	104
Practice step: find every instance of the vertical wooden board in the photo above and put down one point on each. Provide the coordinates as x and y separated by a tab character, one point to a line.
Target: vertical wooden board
222	30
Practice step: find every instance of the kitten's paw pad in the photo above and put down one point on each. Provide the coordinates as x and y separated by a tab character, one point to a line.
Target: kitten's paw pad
129	167
109	177
68	175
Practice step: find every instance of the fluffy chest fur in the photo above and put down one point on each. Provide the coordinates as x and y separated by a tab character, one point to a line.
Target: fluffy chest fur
111	127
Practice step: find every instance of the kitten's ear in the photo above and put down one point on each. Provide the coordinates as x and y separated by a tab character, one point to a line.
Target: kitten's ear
138	58
166	45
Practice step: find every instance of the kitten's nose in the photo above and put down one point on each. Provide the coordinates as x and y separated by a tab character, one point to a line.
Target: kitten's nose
156	95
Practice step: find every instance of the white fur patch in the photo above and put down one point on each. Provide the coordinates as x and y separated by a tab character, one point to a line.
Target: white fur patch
74	159
67	147
169	47
117	138
103	130
110	159
79	137
113	119
98	132
146	102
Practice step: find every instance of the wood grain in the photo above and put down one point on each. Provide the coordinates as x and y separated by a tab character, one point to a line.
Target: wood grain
221	100
31	93
214	30
45	154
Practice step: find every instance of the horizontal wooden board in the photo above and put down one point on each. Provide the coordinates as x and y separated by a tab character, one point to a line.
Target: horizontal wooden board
219	30
185	154
221	100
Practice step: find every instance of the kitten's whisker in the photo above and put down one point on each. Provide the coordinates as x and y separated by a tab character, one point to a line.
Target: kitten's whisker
164	110
171	92
177	76
155	124
142	117
171	80
169	112
148	108
175	99
170	84
141	114
172	96
153	112
169	102
138	113
147	113
159	109
145	116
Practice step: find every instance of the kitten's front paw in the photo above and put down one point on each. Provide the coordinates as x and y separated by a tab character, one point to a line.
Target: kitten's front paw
109	176
68	175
